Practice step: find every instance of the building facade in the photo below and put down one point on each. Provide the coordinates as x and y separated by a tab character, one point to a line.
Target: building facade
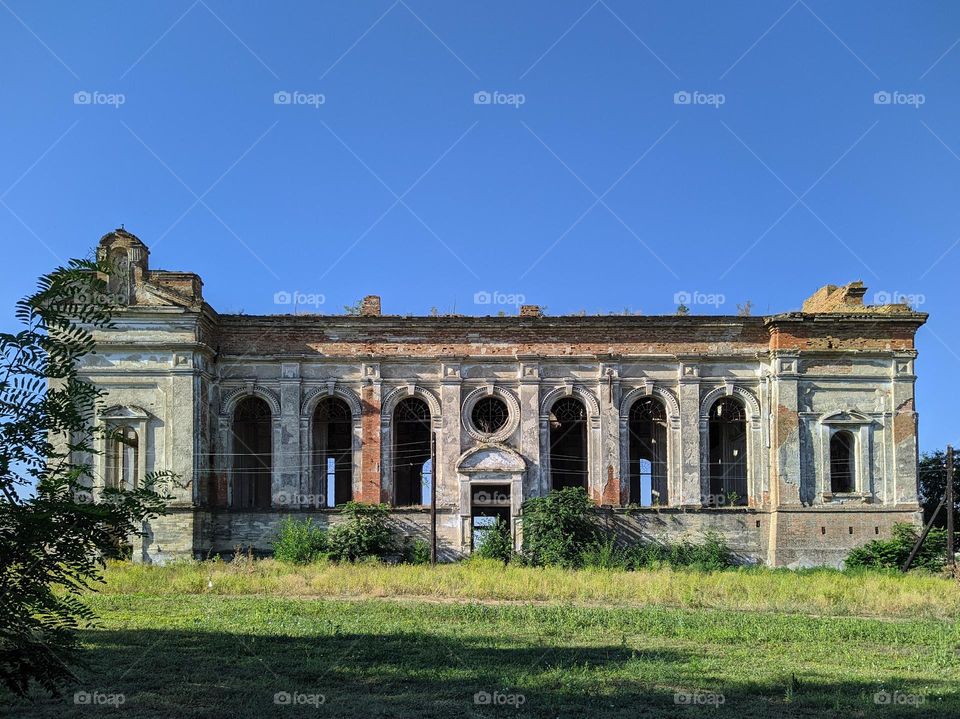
794	435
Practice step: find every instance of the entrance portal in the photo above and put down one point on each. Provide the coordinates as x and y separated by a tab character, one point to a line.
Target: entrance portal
488	503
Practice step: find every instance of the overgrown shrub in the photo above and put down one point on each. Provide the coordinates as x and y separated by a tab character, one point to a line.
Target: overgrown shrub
712	553
892	553
558	527
300	541
416	551
497	544
364	533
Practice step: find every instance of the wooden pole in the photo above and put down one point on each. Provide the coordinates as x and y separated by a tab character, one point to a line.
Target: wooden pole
433	499
951	555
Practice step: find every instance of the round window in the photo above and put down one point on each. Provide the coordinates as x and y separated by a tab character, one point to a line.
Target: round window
489	415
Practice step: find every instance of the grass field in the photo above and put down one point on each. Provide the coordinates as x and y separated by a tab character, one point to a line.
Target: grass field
595	644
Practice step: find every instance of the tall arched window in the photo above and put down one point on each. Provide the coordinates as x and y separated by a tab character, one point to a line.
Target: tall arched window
123	454
332	461
647	427
842	467
568	444
728	453
412	470
252	453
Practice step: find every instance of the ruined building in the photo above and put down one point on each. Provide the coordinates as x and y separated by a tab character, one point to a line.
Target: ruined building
792	435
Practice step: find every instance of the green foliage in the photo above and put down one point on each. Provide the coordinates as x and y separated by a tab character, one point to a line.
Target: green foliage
933	483
892	553
300	541
557	528
498	544
53	543
711	554
416	551
364	533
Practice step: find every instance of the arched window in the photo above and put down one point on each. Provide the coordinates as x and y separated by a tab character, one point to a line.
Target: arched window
728	453
252	453
568	444
411	451
647	427
332	453
842	466
123	455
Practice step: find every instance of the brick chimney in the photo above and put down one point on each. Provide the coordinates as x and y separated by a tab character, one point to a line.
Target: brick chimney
531	311
370	307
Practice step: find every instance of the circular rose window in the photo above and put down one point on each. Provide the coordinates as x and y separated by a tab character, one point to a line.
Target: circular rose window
489	415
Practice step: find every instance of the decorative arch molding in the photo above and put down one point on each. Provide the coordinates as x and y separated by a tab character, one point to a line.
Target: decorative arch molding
121	412
749	399
513	413
494	457
314	396
589	401
230	400
650	389
394	397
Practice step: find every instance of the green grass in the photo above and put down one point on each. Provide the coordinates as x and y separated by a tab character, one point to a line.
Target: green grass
175	647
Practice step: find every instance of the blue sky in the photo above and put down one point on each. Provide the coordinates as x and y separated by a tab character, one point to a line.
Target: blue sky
618	153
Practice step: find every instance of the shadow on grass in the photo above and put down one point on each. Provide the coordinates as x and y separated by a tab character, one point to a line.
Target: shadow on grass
138	674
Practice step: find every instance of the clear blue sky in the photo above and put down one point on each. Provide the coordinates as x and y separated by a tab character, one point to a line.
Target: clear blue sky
586	184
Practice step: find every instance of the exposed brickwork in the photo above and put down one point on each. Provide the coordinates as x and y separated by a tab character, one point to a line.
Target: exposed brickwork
370	485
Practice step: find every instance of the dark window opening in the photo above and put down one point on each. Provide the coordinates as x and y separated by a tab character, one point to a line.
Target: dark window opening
647	428
252	453
568	444
489	414
841	463
412	468
728	453
122	458
332	453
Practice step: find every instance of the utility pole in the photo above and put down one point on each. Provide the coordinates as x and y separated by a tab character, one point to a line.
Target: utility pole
433	499
951	556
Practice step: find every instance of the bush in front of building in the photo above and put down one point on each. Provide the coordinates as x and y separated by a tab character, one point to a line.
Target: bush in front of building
365	532
558	527
892	553
497	544
300	541
711	554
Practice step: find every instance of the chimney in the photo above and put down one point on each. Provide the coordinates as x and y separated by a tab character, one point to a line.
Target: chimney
531	311
370	307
